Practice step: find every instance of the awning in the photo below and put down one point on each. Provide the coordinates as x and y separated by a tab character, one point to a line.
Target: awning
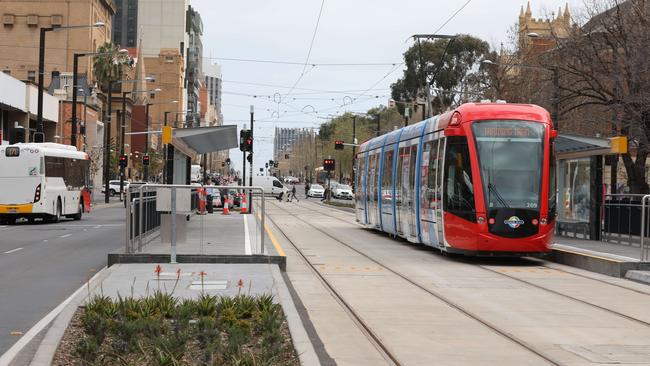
568	146
203	140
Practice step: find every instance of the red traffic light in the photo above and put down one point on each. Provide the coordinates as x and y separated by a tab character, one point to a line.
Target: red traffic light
123	161
338	145
145	160
329	164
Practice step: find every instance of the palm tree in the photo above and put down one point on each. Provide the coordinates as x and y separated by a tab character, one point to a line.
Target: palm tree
109	68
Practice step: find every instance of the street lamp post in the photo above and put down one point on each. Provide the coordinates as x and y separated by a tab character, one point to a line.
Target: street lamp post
555	114
107	143
146	141
75	87
41	74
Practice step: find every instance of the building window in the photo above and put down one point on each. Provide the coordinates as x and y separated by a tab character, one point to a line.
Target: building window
31	75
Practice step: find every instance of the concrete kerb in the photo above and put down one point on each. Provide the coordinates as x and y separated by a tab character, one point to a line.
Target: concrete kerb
299	337
121	257
50	342
603	263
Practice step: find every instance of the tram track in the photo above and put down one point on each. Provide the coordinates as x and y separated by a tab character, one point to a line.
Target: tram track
347	308
449	302
591	278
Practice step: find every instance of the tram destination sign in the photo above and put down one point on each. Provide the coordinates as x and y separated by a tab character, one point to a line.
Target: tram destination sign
504	132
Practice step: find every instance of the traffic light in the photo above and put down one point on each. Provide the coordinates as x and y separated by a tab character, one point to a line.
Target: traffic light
275	165
270	162
250	158
338	145
228	161
329	164
245	140
145	160
266	165
124	161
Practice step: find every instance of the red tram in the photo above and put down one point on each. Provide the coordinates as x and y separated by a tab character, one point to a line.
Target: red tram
479	180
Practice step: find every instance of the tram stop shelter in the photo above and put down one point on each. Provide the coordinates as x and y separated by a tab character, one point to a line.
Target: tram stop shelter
189	142
580	183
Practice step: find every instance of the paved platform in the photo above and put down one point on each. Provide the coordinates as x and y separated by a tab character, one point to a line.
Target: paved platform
211	238
597	256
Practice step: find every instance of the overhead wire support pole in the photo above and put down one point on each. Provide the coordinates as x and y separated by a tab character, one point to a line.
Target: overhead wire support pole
425	83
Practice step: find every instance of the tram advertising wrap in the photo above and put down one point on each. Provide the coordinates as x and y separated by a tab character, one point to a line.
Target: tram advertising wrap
478	180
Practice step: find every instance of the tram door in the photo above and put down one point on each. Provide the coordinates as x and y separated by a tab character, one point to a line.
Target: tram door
399	179
439	219
413	173
428	200
373	175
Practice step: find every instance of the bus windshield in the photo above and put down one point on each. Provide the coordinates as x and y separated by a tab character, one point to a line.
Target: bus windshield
510	156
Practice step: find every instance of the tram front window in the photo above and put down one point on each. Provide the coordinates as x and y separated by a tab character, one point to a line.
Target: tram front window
510	156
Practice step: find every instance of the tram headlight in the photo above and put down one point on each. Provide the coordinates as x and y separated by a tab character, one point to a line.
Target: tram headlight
542	221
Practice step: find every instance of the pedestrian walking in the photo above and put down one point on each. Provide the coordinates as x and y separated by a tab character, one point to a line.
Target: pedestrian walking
210	191
307	188
293	194
327	192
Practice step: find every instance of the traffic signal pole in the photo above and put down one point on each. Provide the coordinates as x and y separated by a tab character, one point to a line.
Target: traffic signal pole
250	193
243	169
354	149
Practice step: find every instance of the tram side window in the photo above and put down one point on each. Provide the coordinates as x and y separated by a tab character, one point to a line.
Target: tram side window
412	174
459	190
552	184
371	178
387	177
359	178
398	178
432	146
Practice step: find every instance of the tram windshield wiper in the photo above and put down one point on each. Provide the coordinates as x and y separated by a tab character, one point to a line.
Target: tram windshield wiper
493	189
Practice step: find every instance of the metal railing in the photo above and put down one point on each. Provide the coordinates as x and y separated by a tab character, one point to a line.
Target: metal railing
644	250
624	220
150	204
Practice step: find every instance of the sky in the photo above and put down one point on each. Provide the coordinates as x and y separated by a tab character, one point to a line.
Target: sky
373	33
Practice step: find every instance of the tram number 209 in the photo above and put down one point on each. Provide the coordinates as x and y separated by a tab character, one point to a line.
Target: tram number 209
531	205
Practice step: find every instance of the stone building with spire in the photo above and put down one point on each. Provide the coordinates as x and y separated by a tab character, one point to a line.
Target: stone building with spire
537	35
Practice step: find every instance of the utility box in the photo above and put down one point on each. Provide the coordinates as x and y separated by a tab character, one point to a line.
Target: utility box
166	228
183	200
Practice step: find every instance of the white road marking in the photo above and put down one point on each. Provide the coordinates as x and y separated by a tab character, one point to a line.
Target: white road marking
45	241
247	239
97	226
65	236
12	352
13	250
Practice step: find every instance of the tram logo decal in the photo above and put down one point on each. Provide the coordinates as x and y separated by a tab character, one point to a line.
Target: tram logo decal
514	222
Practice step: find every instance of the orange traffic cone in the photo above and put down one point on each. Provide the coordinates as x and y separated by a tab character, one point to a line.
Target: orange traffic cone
244	205
226	201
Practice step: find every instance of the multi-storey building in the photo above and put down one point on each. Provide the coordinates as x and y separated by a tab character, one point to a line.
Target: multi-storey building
20	35
286	138
212	86
193	71
125	23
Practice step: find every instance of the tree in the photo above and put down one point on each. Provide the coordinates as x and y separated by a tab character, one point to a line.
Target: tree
450	69
110	67
605	78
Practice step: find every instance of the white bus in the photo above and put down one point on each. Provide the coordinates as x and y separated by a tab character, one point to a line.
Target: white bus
43	180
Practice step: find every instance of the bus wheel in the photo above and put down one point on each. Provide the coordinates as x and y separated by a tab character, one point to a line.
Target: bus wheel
57	217
78	215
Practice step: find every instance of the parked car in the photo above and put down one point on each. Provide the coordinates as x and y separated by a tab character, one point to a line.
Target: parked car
316	190
114	187
342	191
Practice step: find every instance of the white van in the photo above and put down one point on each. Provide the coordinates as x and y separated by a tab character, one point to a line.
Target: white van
271	185
195	174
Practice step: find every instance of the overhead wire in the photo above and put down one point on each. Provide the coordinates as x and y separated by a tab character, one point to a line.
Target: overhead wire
311	46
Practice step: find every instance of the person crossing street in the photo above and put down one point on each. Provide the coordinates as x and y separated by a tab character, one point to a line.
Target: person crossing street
293	194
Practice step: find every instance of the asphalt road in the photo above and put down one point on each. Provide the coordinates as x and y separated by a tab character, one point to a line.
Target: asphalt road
42	264
300	192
